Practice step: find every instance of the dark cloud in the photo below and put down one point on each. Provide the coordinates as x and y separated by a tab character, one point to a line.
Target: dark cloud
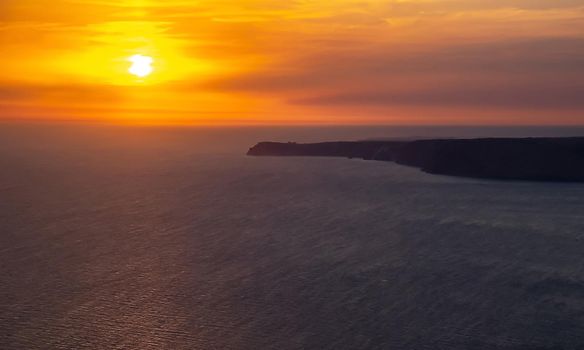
528	74
416	8
519	96
77	93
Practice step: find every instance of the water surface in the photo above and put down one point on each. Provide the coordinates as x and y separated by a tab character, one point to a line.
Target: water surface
130	238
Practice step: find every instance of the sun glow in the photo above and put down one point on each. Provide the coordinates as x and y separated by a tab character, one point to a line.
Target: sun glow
141	65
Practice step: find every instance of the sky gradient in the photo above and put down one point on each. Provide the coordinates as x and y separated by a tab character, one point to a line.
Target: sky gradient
294	62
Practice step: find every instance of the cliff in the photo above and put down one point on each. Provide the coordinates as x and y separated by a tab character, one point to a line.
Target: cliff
534	159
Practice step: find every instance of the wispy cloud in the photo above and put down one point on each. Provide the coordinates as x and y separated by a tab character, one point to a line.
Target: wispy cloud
314	58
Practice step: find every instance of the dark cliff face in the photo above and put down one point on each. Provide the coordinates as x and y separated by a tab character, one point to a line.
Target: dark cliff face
517	159
536	159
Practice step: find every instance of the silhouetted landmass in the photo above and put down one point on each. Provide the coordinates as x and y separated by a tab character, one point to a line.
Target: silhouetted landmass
534	159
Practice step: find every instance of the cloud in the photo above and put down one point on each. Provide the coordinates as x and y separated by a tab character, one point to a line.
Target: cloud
552	57
416	8
60	94
508	97
527	74
264	55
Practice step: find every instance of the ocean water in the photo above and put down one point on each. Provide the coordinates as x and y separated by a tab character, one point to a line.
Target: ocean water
169	238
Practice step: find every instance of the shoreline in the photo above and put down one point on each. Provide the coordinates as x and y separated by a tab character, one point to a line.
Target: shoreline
558	159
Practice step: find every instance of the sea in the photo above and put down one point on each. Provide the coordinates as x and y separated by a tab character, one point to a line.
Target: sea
120	237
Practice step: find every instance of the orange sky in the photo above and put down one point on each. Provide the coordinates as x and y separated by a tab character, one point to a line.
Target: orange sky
294	61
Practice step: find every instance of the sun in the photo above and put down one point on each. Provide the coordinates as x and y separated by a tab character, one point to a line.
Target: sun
141	65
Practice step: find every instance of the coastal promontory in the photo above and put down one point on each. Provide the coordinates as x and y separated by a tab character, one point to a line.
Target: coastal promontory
531	159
